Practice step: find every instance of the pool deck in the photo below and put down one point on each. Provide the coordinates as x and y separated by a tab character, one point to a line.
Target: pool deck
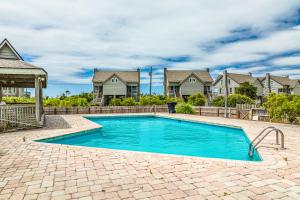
34	170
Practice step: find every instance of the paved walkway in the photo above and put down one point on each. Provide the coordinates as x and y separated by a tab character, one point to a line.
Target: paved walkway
31	170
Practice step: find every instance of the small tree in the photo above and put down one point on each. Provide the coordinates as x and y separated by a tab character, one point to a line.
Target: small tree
247	89
197	100
282	106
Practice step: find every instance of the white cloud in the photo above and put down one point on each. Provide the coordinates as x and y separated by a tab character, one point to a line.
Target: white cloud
68	36
287	61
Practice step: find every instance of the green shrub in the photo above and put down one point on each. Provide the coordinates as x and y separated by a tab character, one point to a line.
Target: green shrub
65	103
218	101
18	100
123	102
184	108
197	100
151	100
115	102
232	100
281	106
129	102
172	99
52	102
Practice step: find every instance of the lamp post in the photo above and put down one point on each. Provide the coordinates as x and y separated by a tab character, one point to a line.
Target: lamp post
226	91
150	74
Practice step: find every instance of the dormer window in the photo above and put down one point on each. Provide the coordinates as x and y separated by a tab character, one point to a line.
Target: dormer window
114	80
192	80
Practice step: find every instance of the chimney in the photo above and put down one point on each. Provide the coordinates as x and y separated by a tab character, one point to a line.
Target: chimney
95	70
207	69
250	74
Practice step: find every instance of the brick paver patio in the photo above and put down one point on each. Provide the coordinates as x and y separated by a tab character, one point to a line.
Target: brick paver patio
32	170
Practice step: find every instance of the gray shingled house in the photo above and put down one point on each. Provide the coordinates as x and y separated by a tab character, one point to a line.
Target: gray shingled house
280	84
118	84
234	80
184	83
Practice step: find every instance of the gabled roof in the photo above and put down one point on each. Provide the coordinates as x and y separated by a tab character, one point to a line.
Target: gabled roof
294	83
10	63
5	43
179	76
238	78
14	72
284	81
126	76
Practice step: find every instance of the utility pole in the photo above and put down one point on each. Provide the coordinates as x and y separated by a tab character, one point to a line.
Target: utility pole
226	91
150	74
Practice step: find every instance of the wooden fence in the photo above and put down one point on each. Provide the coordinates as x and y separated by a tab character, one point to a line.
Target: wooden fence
217	112
12	117
104	109
200	110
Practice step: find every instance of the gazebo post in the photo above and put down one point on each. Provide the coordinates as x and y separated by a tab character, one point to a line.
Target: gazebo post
41	99
37	99
1	93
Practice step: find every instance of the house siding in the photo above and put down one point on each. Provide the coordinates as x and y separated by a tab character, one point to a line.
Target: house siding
274	86
231	84
259	87
6	52
296	90
118	88
188	88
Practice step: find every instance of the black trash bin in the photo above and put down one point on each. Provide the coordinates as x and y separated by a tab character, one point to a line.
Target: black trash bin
171	107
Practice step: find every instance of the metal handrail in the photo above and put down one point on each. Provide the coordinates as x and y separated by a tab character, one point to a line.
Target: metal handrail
253	145
153	107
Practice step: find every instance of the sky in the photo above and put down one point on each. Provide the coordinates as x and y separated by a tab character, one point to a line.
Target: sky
69	38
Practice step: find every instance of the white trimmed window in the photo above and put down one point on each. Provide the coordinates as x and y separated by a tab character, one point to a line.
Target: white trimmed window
114	80
192	80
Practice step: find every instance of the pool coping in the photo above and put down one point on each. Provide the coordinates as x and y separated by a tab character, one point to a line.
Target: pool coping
267	160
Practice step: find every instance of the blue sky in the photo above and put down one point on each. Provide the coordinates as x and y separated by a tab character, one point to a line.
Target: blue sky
258	36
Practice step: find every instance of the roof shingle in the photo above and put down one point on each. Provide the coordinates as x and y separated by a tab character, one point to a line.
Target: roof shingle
127	76
17	64
180	75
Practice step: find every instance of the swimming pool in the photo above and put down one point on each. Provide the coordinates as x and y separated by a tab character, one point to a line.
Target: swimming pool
162	135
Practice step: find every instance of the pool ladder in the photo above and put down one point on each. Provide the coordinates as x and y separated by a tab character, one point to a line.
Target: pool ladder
262	135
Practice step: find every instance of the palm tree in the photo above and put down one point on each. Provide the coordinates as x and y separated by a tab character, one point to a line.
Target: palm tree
67	92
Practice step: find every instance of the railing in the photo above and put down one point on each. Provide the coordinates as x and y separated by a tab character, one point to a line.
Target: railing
12	117
262	135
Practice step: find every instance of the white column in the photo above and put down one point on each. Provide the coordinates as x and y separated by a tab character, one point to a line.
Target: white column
37	99
1	93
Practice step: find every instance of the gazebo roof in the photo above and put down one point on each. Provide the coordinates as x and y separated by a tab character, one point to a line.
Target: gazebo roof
14	72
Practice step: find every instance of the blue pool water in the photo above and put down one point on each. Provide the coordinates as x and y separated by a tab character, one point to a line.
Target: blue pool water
163	135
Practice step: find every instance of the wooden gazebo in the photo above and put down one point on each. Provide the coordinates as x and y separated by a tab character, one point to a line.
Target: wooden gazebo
14	72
